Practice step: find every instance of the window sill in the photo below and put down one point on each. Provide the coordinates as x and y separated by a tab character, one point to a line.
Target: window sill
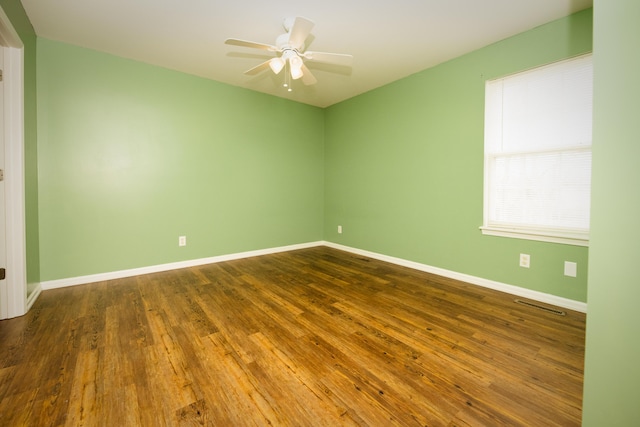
538	235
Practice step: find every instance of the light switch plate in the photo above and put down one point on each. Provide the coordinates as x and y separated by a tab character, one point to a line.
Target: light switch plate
570	269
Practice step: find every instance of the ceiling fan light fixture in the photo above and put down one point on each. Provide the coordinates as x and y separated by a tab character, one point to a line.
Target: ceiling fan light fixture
296	73
276	64
296	67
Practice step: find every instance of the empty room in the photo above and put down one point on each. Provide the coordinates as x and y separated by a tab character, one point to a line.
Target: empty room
319	213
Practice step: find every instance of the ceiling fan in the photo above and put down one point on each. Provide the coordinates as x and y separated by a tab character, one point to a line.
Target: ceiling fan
291	54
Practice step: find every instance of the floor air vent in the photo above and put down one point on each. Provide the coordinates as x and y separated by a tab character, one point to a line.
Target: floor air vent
540	307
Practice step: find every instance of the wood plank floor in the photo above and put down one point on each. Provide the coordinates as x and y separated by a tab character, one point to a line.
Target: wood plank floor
309	337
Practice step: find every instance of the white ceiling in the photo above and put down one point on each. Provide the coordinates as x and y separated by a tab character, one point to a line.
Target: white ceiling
388	40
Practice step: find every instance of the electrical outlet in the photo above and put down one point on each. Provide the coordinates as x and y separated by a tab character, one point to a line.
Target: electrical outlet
525	260
570	269
182	241
339	229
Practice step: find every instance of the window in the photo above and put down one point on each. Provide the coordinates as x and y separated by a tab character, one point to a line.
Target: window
537	181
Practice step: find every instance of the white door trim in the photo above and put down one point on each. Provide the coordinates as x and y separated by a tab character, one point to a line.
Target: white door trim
13	77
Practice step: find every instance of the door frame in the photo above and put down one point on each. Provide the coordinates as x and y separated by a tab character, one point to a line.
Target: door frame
13	78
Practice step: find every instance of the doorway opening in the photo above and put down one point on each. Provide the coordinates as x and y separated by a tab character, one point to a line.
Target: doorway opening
14	300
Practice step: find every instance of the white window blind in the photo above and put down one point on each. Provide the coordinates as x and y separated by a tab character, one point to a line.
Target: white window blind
538	152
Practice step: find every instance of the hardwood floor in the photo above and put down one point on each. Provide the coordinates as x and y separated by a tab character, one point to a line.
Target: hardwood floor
309	337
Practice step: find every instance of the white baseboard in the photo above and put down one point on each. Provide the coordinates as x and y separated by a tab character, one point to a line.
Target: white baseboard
503	287
81	280
498	286
33	296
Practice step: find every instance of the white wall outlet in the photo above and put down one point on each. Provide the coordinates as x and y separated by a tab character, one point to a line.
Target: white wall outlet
182	241
570	269
525	260
339	229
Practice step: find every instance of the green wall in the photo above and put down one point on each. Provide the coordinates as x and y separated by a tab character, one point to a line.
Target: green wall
404	167
16	14
131	156
612	364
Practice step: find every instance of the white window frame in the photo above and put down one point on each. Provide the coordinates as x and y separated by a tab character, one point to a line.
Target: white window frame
555	235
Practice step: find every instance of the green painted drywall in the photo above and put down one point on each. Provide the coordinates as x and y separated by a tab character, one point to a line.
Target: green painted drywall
20	22
612	363
131	156
404	167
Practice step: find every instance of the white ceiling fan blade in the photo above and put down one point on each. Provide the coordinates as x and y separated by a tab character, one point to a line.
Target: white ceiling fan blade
258	69
299	32
246	43
307	77
330	58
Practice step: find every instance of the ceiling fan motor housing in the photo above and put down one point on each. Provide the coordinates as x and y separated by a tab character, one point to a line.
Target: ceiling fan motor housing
282	43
